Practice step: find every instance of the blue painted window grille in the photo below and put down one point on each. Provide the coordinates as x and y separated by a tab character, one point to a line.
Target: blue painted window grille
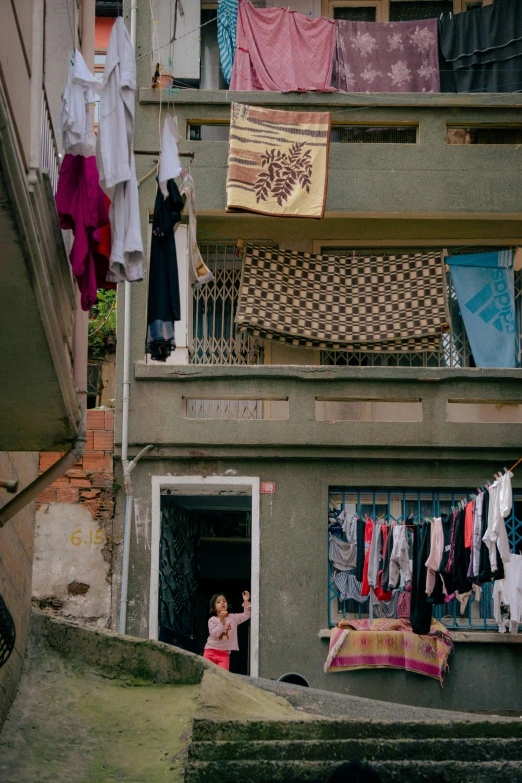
396	505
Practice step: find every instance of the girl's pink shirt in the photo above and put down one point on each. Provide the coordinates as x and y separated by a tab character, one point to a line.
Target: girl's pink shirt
223	636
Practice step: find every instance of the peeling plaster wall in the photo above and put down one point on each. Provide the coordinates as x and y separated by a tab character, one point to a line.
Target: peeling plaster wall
74	541
71	569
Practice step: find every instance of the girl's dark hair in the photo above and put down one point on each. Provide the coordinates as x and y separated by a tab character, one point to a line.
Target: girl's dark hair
355	772
213	601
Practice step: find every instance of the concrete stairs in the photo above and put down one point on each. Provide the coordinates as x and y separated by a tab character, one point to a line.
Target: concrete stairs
452	751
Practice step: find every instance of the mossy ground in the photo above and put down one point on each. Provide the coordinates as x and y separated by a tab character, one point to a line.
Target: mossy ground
72	723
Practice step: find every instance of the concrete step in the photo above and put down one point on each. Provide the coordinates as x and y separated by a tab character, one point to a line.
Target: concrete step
206	730
476	749
319	771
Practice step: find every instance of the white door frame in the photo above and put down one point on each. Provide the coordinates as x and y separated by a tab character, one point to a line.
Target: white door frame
213	485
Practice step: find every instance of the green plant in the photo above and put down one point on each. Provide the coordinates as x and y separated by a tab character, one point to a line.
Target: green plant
102	324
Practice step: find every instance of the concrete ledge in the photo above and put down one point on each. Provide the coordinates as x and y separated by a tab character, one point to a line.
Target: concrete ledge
477	637
191	372
142	659
334	99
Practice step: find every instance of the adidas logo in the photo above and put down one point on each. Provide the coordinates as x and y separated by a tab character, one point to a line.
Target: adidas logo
493	304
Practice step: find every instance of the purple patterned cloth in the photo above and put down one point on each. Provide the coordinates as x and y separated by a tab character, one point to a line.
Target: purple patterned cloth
387	56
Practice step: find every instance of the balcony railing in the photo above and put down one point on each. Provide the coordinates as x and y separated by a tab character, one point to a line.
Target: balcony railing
49	156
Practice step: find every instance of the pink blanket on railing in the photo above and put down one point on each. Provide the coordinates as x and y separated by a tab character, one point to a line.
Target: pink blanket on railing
366	644
282	51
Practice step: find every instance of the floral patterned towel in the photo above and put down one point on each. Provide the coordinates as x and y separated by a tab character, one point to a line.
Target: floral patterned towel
387	56
367	644
278	161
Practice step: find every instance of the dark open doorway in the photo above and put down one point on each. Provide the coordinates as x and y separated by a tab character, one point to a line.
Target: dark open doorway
205	548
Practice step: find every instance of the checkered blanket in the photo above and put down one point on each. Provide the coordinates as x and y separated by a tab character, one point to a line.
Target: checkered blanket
374	304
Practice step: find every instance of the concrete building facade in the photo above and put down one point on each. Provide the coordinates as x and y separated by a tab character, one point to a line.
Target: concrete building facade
252	442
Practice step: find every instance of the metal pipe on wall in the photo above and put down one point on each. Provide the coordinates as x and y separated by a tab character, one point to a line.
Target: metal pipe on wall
128	466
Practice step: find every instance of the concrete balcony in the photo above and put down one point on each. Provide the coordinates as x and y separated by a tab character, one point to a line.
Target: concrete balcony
39	405
428	178
319	411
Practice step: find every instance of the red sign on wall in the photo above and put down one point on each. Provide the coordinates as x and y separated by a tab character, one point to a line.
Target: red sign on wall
267	487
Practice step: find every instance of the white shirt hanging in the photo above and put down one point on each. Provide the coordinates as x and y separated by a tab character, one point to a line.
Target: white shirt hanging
169	166
75	116
115	156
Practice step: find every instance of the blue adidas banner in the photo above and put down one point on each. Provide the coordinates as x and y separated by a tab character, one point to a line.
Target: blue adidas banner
485	288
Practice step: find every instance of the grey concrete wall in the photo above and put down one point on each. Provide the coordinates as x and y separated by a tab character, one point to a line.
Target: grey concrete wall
16	566
294	576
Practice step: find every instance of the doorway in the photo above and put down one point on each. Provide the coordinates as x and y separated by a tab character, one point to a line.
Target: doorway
205	547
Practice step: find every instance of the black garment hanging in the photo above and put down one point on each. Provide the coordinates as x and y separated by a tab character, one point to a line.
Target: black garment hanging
481	50
461	555
485	573
421	610
163	304
361	552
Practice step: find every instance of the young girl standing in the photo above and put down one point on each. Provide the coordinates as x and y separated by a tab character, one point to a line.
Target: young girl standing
222	629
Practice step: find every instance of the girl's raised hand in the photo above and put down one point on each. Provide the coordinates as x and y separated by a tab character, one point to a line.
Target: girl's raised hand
223	616
246	596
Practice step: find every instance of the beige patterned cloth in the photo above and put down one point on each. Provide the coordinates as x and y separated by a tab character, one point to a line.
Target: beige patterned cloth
278	161
373	304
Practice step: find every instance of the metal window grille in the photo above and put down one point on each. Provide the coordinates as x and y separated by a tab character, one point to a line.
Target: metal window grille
208	131
355	13
408	10
214	336
500	134
394	506
371	134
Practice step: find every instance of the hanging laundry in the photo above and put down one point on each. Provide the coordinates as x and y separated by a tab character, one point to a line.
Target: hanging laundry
482	51
387	56
436	551
400	557
365	644
342	555
507	592
115	156
485	288
387	559
349	587
226	25
477	536
169	165
375	555
486	572
361	549
368	536
200	270
421	609
164	302
396	303
496	533
278	161
75	118
461	582
80	203
282	51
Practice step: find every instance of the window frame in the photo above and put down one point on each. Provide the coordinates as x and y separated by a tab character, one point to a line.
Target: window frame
382	7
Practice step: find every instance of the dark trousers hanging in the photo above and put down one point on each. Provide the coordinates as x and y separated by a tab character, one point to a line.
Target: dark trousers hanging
420	615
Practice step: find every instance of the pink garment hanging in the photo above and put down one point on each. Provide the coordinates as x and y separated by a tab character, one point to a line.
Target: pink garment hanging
81	207
282	51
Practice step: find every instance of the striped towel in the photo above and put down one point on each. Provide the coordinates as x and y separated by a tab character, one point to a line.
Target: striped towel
226	23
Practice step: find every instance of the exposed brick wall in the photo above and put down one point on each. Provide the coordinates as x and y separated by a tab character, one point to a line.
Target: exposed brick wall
74	542
16	566
91	481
